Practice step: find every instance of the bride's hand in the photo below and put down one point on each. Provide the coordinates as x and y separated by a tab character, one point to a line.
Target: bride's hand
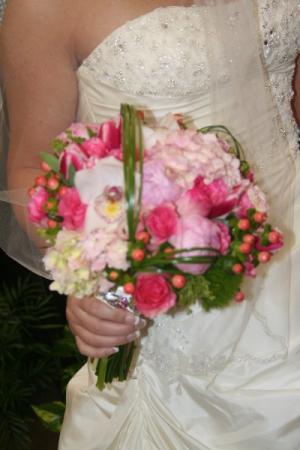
99	328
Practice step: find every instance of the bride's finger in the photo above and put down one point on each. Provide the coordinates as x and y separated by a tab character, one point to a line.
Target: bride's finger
98	326
104	341
93	352
99	309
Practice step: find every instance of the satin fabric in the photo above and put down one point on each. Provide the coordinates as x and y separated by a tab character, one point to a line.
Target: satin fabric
227	380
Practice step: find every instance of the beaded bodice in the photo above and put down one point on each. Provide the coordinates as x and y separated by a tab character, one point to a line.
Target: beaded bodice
162	54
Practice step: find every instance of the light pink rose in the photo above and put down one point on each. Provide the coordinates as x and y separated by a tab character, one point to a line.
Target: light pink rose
72	210
161	222
94	147
214	199
36	205
72	154
195	230
153	295
157	186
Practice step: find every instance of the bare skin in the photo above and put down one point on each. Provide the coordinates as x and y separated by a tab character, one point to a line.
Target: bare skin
42	44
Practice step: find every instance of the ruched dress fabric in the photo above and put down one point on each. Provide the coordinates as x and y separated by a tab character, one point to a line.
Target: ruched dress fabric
204	380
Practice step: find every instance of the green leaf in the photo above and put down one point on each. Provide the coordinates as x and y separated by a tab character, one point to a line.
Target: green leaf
71	175
223	285
51	160
51	415
195	289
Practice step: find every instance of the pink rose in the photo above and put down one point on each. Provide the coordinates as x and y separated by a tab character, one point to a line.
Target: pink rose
157	186
36	205
72	155
94	147
197	231
224	237
214	198
153	295
162	223
72	210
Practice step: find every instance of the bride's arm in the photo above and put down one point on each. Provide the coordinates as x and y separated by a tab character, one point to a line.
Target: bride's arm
39	78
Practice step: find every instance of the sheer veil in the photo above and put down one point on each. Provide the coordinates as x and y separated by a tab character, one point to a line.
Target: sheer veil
242	101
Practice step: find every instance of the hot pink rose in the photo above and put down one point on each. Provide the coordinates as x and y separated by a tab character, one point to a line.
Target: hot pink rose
157	187
214	199
72	210
153	295
162	222
36	205
94	147
72	154
110	134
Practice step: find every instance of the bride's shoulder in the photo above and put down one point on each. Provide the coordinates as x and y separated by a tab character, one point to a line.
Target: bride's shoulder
35	19
36	26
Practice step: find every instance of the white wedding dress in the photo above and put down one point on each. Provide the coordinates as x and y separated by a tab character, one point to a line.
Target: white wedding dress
225	380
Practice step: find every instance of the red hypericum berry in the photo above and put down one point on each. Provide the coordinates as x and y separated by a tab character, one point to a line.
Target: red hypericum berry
178	281
31	192
52	224
259	217
138	254
239	297
62	191
129	288
53	183
45	167
244	224
168	251
113	275
143	236
51	204
245	248
238	268
249	239
274	237
41	180
264	257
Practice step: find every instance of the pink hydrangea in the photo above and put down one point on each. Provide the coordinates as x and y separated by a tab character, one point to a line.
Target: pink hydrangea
36	205
72	210
158	187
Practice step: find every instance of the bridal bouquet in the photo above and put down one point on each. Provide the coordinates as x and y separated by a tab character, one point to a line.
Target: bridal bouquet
150	218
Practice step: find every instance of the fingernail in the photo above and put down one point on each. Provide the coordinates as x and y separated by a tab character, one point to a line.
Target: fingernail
141	323
134	336
131	319
115	350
